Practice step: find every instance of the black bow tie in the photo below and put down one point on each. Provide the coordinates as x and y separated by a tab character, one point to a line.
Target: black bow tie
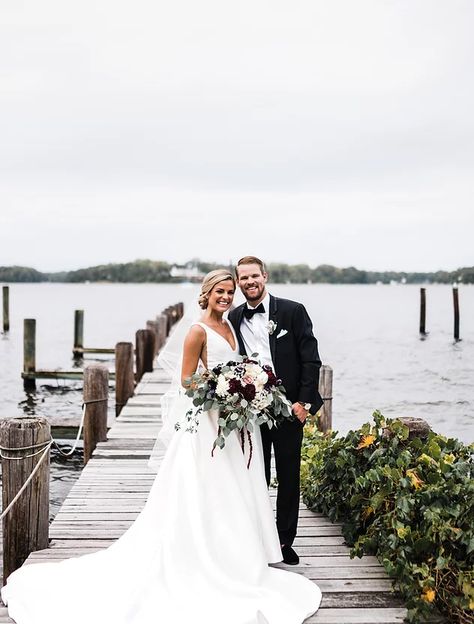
249	312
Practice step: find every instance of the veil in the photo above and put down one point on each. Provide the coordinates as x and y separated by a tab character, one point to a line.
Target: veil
174	403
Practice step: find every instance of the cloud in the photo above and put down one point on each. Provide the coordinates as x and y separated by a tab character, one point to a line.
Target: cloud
333	132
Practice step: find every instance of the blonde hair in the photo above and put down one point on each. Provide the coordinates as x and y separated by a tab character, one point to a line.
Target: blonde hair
208	283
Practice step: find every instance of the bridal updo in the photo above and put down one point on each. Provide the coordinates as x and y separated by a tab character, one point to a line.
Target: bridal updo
208	283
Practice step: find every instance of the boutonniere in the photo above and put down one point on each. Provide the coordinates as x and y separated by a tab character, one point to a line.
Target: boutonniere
271	326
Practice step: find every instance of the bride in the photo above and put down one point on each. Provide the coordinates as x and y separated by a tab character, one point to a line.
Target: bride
199	551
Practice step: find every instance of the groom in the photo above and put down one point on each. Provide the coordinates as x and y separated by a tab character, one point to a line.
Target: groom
280	331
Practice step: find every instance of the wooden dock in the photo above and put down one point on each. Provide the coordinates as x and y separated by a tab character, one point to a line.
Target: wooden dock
112	490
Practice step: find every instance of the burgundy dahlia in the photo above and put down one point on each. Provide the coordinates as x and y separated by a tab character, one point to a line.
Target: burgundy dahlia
249	392
235	386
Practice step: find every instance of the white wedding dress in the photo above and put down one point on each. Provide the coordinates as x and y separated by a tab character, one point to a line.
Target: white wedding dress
197	553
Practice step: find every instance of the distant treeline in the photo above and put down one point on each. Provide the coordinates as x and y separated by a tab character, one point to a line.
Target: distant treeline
158	271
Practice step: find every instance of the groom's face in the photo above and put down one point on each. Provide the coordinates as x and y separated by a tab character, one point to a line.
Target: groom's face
252	282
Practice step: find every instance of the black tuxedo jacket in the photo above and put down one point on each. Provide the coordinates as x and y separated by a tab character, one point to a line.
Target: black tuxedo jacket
295	354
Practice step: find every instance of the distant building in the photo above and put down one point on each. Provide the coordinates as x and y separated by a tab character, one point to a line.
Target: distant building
188	273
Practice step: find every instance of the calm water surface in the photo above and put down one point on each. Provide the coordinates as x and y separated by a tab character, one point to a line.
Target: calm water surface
368	334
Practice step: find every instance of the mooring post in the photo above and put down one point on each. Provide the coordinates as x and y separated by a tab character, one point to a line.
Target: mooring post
78	333
145	352
6	308
96	390
124	377
162	321
325	390
155	328
456	312
24	443
417	427
175	313
29	352
422	311
169	315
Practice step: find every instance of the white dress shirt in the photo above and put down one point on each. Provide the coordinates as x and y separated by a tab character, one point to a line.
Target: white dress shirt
255	334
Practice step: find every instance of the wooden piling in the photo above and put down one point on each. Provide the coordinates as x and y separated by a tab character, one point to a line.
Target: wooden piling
325	390
162	321
155	328
145	352
29	351
26	526
456	312
423	311
124	377
169	315
417	428
6	308
96	388
78	333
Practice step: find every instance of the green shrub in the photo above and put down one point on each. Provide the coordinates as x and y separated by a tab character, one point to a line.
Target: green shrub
408	501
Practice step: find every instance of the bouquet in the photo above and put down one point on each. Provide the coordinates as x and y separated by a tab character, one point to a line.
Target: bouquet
245	393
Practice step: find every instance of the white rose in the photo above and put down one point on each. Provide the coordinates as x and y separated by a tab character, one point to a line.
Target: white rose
222	386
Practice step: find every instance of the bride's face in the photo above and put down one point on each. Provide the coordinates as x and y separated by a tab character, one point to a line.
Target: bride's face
221	296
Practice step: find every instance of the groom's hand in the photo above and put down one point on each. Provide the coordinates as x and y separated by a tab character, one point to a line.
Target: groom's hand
300	412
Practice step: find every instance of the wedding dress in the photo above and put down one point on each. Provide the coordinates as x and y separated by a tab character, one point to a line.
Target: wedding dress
198	552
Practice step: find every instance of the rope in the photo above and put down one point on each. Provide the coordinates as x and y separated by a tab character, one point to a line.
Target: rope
23	448
79	431
49	442
95	401
25	485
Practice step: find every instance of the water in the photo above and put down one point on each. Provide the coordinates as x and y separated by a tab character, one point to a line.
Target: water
367	333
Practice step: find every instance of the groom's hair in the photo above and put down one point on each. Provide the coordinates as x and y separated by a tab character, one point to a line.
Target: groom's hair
250	260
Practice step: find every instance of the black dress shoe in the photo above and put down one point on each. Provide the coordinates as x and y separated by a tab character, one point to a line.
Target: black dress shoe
289	555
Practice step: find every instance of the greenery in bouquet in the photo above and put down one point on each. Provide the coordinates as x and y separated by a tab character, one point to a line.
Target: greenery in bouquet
409	501
244	392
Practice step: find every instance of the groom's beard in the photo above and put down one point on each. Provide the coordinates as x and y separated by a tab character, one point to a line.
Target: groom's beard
259	294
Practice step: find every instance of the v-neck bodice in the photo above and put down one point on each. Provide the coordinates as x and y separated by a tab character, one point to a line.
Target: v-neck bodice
218	348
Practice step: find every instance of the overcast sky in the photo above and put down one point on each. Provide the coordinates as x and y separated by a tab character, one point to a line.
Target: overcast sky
311	131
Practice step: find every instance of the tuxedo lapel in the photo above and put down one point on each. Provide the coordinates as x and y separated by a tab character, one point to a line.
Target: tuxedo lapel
272	316
239	313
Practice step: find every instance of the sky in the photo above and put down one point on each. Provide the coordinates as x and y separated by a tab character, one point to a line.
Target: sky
319	132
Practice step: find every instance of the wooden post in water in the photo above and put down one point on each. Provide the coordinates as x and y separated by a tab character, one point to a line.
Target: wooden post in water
325	390
145	352
175	313
162	321
169	315
29	351
155	328
423	311
124	377
26	526
96	390
6	308
78	333
456	312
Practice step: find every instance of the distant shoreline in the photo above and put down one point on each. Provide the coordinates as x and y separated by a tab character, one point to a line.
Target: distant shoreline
151	271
